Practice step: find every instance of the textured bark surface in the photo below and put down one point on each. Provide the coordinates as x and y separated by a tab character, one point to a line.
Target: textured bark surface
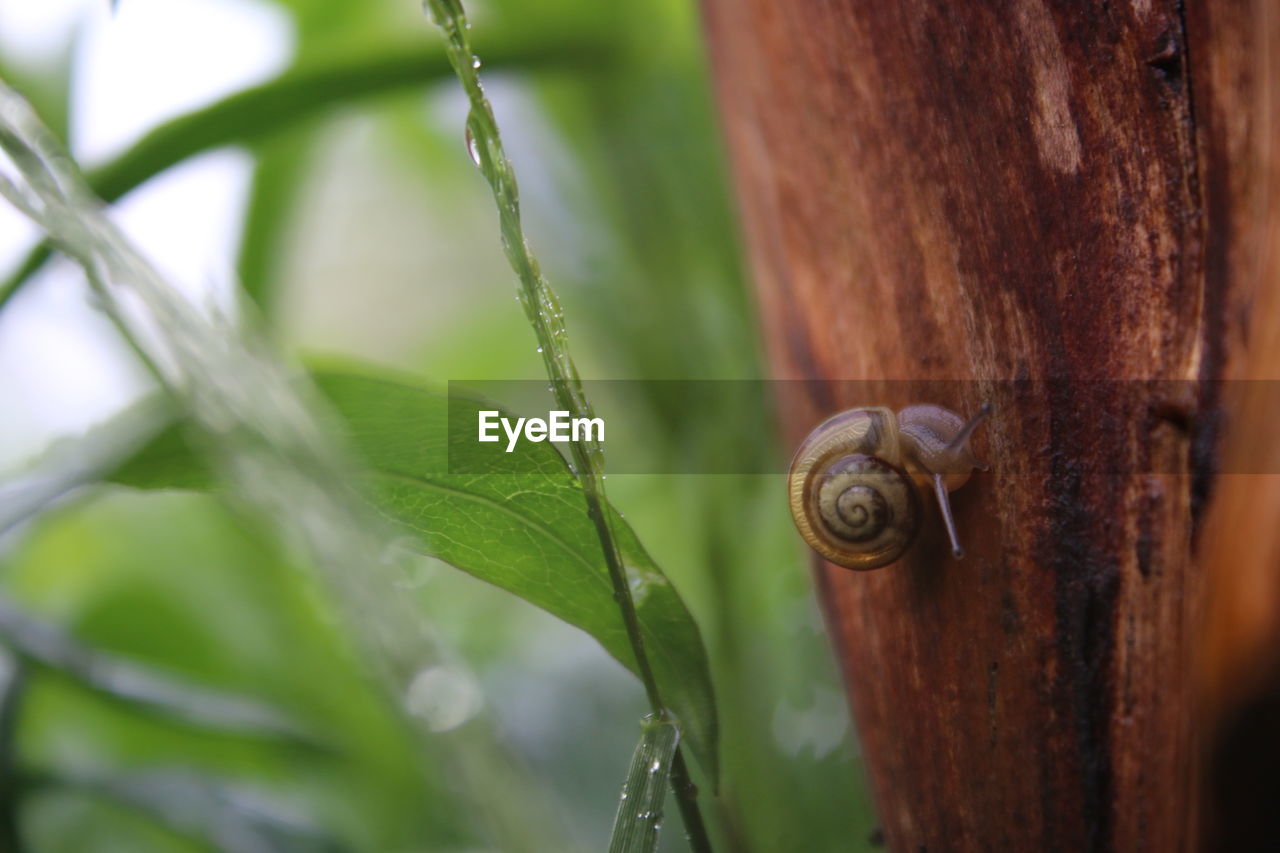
1058	204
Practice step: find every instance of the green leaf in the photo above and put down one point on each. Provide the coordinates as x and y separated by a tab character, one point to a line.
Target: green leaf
517	520
299	94
283	162
639	817
165	462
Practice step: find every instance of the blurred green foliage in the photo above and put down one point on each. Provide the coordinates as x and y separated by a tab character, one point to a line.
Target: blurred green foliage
368	237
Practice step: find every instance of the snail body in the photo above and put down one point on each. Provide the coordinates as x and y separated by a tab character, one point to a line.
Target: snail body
855	482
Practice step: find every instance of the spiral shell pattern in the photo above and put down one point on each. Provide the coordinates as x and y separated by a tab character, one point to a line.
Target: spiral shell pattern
851	500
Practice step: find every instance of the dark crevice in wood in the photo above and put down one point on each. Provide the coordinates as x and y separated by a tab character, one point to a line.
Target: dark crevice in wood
1086	582
1210	266
1167	59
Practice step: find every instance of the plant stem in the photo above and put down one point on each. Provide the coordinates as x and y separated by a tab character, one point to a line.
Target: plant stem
687	800
542	307
294	96
618	575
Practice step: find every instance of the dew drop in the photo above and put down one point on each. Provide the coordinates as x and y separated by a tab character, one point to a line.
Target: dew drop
474	150
539	349
655	766
475	61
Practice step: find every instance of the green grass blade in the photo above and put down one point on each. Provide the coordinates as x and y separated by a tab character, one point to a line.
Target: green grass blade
202	809
156	692
542	307
70	463
644	793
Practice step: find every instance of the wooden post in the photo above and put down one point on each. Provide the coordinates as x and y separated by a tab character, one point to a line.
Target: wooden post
1064	206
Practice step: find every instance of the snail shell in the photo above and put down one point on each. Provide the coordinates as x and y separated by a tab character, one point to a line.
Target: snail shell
854	485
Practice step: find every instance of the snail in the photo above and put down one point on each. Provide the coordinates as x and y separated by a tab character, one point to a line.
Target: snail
854	482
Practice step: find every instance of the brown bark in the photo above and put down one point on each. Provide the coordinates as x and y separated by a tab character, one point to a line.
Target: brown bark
1063	206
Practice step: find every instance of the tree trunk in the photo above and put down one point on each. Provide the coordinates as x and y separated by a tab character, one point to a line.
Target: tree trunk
1067	208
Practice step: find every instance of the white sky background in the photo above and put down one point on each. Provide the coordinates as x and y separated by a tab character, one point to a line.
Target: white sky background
61	368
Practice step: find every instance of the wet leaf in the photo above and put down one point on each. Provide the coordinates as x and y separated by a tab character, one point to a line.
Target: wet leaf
639	817
517	520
